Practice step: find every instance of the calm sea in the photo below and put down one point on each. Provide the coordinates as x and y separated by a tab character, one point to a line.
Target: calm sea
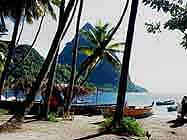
135	99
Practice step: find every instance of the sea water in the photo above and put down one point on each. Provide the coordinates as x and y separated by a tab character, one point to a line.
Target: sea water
136	99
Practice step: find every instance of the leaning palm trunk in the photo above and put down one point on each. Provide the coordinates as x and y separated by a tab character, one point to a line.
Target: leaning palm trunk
125	66
63	18
11	48
74	60
52	52
49	88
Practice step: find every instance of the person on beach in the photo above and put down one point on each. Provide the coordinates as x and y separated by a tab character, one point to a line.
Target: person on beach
182	108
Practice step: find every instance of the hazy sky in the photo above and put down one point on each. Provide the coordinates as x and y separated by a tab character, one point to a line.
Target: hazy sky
158	63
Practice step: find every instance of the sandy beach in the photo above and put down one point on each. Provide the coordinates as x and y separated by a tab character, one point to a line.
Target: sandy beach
84	126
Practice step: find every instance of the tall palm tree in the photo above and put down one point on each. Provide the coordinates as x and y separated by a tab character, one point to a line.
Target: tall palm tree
125	66
104	42
16	9
97	52
74	60
63	18
64	13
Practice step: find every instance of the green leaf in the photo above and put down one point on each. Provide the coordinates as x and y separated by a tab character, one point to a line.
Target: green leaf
87	51
116	45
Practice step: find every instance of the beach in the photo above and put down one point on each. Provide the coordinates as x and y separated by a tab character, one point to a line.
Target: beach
87	126
84	126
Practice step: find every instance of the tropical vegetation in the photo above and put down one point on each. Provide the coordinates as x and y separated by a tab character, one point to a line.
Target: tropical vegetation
176	20
96	52
129	126
38	70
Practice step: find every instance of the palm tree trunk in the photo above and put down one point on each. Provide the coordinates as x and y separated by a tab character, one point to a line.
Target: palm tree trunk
49	88
11	49
89	72
63	18
125	66
50	57
74	60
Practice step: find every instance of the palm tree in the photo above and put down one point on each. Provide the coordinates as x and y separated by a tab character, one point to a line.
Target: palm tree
64	13
97	52
2	61
125	66
74	60
90	62
16	9
63	18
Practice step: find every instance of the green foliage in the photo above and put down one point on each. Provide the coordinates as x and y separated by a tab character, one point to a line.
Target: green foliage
153	27
56	2
52	117
25	68
177	16
128	125
63	73
99	50
33	8
3	112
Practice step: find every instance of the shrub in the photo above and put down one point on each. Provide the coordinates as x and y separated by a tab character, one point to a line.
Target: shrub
52	116
128	125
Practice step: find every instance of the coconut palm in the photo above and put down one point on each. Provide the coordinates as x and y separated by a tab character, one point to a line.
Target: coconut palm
96	52
105	39
16	9
125	66
74	60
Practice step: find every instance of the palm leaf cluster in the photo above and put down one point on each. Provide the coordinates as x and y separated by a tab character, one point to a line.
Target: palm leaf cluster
33	9
98	51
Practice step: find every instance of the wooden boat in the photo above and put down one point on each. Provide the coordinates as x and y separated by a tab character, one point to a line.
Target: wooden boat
131	111
168	102
137	111
172	108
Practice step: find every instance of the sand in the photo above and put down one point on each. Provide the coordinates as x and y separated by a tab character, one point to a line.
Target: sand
83	126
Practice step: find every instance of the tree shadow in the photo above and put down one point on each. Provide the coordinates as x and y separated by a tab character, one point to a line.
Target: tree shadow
97	123
177	123
92	136
122	137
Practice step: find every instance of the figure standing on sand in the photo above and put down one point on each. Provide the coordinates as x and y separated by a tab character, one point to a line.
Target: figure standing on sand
182	108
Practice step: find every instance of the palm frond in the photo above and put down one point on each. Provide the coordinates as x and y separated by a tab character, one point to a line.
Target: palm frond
113	60
89	35
116	45
86	50
50	9
115	51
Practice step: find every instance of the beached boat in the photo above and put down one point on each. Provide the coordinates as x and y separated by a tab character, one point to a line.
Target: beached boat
168	102
172	108
137	111
131	111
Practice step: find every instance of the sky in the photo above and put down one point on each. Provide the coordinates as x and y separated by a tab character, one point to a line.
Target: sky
158	62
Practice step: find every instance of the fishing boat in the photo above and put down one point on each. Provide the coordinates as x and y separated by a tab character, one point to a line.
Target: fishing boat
137	111
172	108
168	102
132	111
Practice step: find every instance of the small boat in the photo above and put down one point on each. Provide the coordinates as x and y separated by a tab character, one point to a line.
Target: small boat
137	111
131	111
172	108
168	102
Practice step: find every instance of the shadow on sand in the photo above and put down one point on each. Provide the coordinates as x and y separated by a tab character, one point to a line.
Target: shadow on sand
177	123
100	134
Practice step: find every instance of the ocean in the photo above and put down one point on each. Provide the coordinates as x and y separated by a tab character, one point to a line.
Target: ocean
136	99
